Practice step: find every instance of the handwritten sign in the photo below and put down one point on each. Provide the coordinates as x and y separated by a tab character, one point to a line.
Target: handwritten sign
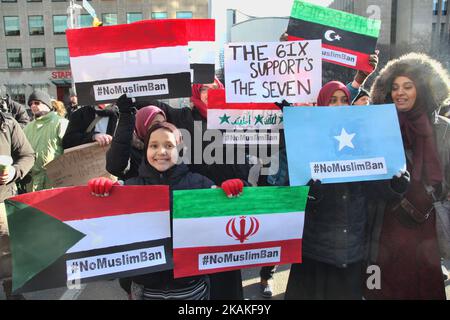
347	39
273	71
78	165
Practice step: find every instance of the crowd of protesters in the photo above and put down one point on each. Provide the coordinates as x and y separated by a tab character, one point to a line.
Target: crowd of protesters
348	226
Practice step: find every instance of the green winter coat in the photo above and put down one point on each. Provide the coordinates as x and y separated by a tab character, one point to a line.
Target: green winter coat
45	135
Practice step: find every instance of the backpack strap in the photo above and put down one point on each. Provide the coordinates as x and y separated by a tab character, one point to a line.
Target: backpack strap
93	123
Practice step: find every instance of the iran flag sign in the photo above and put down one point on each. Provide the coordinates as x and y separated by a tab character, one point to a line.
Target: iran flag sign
67	236
212	233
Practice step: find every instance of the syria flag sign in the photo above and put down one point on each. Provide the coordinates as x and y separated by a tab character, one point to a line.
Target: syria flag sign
212	233
145	59
66	236
201	34
347	39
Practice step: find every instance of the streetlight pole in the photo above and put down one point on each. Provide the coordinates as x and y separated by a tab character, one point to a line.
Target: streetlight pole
73	14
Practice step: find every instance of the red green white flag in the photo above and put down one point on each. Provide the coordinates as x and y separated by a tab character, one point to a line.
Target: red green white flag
347	39
67	236
212	233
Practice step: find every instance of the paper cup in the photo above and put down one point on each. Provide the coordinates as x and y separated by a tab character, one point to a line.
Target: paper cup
5	162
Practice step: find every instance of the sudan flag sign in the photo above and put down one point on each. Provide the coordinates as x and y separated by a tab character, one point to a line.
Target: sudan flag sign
347	39
212	233
66	236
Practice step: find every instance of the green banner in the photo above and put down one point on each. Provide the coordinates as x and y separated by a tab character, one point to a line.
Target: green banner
334	18
261	200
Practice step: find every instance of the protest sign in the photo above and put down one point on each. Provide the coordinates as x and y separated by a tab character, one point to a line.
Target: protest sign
237	117
145	59
343	144
347	39
201	35
78	165
273	71
67	236
212	233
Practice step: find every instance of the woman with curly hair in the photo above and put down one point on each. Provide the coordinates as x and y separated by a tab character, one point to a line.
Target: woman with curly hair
403	239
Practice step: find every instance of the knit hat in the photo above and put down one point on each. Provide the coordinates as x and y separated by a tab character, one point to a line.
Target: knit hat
362	93
41	96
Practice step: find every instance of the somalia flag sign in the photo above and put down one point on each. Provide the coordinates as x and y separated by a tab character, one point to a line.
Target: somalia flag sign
343	144
67	236
347	39
212	233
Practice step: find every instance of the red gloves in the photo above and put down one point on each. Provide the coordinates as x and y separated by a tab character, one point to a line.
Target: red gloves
233	187
101	187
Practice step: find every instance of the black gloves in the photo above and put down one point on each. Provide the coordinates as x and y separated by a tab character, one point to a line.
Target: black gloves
400	184
125	104
315	191
361	76
282	104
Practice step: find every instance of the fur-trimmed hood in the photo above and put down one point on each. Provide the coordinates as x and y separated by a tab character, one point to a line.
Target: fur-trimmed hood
423	70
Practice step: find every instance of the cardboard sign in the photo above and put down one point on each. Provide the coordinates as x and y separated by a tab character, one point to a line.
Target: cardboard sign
78	165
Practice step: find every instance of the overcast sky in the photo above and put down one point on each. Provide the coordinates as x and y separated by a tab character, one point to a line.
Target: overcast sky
259	8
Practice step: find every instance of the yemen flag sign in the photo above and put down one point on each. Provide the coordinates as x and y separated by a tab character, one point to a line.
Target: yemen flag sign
66	236
146	59
212	233
347	39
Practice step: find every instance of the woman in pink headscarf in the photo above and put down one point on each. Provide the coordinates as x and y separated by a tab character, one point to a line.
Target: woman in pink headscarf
125	155
334	94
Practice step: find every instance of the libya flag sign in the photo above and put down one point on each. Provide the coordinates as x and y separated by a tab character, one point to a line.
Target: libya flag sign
67	236
347	39
212	233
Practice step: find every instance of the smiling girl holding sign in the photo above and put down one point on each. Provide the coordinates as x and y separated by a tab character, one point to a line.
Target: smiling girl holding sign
159	167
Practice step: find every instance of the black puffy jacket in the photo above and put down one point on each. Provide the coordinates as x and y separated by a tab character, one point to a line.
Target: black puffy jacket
335	227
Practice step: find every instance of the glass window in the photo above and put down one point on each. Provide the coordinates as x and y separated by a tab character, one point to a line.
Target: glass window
435	7
109	19
59	24
62	57
9	0
37	57
444	7
14	57
134	16
159	15
12	26
184	14
17	92
36	25
34	0
85	20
